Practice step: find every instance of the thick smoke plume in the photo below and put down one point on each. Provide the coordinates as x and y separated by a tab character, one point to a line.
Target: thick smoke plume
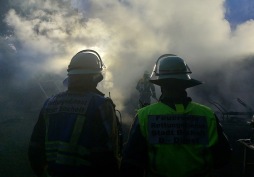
38	39
130	36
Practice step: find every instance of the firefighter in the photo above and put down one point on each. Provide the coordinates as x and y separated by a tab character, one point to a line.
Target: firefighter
146	90
77	130
175	137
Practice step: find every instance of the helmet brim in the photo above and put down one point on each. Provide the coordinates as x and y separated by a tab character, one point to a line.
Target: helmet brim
179	83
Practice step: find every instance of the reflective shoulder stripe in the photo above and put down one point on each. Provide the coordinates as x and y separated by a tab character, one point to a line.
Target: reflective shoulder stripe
79	124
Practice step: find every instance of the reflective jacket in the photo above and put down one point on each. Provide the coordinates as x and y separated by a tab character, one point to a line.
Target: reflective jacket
180	142
76	135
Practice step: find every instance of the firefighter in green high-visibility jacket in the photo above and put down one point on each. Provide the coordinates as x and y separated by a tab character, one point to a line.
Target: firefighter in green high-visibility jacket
77	132
175	137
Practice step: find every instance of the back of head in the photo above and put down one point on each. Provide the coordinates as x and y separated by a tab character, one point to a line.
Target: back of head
85	69
85	62
171	71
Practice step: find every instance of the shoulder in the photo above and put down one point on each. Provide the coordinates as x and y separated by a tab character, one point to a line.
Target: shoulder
202	108
110	101
99	98
55	96
150	109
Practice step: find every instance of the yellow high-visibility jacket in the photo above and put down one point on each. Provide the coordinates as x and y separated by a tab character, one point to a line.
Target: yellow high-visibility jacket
181	142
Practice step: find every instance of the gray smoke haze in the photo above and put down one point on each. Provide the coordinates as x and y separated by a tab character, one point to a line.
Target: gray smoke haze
130	36
38	39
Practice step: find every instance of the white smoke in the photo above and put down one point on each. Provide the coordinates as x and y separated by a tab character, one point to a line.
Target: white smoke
129	35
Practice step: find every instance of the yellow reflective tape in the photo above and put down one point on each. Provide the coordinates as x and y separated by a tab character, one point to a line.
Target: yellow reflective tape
66	147
77	129
66	159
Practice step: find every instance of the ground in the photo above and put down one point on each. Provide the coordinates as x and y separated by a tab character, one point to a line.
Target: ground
14	134
15	131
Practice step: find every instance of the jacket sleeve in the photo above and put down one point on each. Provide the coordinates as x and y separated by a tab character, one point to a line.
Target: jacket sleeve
111	123
222	150
135	153
36	153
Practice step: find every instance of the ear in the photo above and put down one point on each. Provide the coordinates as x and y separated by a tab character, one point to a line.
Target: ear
97	78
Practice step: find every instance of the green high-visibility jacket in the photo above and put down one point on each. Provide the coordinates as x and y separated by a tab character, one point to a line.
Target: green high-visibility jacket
178	140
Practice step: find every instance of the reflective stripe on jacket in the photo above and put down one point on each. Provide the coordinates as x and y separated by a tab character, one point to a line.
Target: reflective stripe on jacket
78	135
178	140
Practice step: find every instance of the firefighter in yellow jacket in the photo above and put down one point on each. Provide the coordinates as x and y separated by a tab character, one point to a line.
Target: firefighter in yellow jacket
174	137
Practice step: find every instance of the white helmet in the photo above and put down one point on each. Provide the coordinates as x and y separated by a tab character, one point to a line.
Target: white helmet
171	70
86	62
